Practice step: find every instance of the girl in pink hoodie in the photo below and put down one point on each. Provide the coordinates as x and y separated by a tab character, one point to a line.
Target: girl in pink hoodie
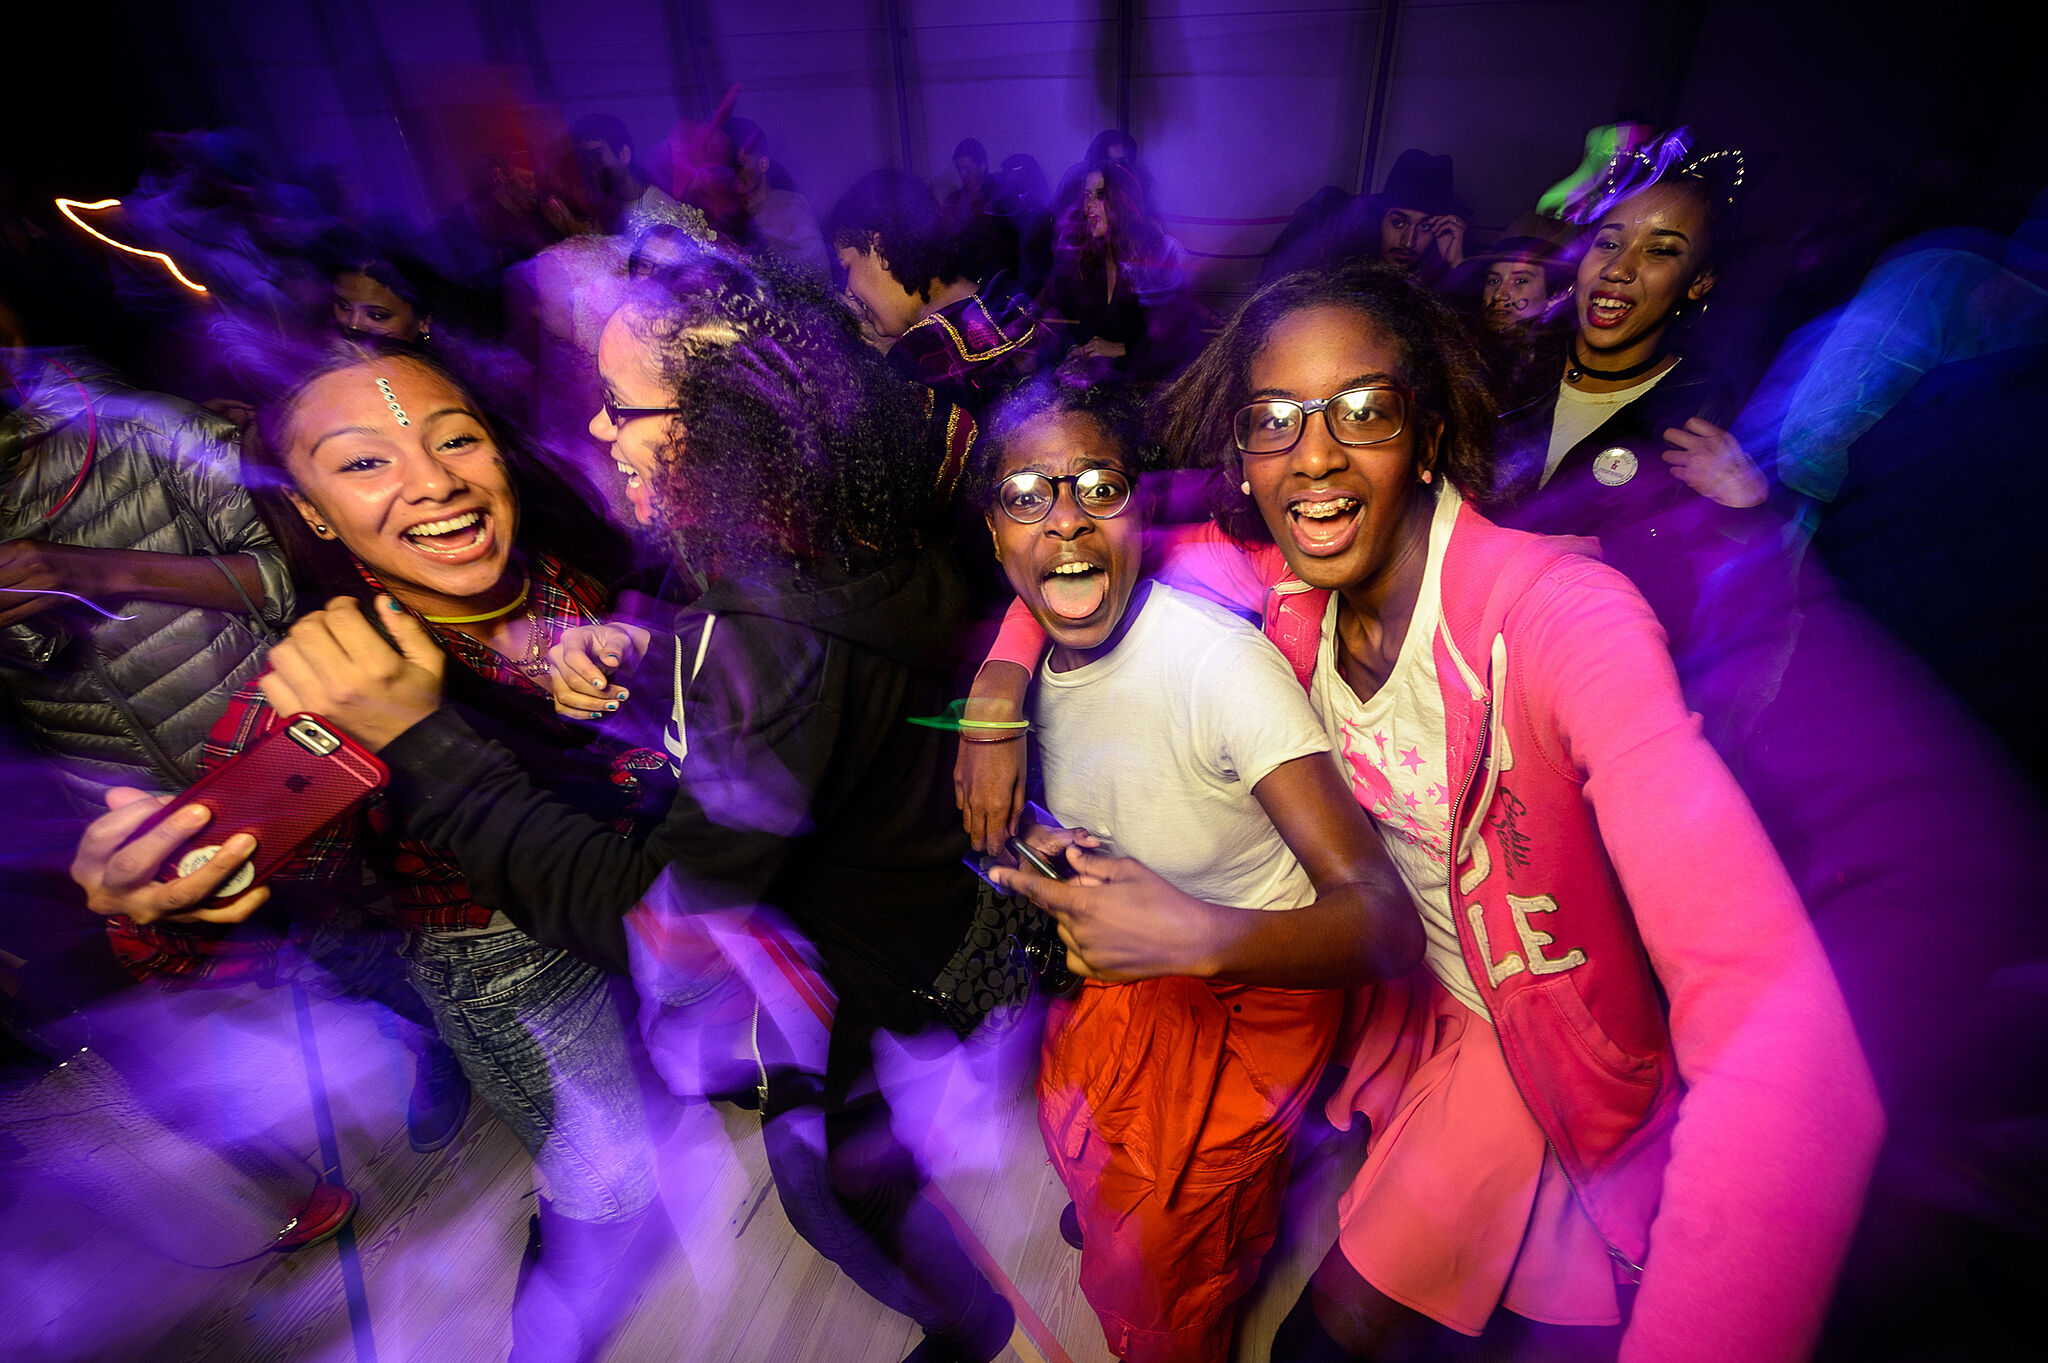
1621	1109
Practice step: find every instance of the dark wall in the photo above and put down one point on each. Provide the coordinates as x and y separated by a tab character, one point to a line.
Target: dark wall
1244	107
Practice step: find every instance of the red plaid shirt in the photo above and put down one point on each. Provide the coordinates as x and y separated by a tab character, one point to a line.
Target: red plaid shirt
425	885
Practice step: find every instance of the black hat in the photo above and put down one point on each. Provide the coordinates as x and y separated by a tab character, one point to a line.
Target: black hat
1422	182
1531	237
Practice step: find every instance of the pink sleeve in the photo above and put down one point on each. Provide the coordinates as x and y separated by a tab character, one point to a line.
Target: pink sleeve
1779	1128
1203	560
1019	641
1196	558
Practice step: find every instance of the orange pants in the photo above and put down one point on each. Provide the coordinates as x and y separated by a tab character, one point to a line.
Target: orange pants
1167	1106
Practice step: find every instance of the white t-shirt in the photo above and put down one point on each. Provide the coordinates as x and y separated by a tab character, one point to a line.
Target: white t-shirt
1393	750
1581	414
1157	746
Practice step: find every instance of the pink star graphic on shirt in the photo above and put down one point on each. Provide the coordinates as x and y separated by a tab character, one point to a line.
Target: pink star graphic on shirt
1380	739
1439	795
1411	759
1412	802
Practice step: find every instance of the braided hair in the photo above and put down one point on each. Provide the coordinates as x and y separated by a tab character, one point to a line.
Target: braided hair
795	449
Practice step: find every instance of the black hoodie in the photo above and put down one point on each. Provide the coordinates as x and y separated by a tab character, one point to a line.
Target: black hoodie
802	787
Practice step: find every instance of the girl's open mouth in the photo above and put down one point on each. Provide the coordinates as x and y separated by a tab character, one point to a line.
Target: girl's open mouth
463	536
1324	525
1075	590
1603	312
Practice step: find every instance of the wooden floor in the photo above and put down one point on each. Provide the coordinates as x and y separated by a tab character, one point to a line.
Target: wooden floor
439	1236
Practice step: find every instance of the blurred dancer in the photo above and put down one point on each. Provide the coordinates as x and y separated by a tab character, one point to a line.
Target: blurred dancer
627	201
970	163
779	221
1612	431
1119	282
375	296
1414	223
138	584
967	342
803	791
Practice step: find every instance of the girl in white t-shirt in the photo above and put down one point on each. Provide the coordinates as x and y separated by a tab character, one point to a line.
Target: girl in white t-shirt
1173	731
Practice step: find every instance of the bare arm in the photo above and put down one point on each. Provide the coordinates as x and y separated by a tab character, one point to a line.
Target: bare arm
1122	921
33	571
988	777
1780	1125
1362	925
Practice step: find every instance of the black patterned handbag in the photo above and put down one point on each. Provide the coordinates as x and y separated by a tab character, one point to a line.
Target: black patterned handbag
1011	957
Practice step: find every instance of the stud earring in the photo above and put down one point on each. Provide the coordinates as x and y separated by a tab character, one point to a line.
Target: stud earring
320	529
1245	487
1427	476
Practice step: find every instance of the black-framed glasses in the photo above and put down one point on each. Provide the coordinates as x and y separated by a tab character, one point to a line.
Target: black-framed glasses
619	414
1028	498
1357	416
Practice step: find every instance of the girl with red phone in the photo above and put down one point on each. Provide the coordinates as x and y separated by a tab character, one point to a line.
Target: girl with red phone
394	489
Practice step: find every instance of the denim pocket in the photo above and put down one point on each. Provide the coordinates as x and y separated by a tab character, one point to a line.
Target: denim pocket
529	979
510	971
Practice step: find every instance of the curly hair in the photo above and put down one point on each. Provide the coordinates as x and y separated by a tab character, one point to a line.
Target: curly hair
897	207
1436	359
795	449
1115	408
558	509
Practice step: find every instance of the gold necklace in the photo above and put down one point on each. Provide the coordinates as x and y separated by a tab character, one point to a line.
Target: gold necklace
534	665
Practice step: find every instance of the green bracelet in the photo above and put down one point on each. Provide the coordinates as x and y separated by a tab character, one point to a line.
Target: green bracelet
954	721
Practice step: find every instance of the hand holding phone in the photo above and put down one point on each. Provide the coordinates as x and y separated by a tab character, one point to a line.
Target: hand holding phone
1045	866
280	790
117	866
1040	846
1016	853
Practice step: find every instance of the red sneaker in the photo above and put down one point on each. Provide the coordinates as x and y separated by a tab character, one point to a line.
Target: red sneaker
319	1218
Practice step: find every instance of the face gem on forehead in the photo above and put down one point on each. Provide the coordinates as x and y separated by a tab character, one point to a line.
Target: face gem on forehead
391	401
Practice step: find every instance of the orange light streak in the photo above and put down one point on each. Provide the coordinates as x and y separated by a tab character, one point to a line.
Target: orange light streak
69	208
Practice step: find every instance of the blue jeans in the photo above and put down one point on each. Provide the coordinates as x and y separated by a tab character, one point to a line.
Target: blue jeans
539	1034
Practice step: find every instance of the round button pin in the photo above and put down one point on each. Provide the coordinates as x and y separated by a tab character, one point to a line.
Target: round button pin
242	879
1615	466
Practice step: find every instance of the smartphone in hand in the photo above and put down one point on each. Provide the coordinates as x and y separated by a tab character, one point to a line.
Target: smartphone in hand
281	790
1025	856
1020	852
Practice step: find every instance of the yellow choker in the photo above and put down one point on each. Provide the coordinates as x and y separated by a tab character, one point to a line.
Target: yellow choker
499	614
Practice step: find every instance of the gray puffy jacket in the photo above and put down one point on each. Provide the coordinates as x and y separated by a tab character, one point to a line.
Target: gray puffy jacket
129	702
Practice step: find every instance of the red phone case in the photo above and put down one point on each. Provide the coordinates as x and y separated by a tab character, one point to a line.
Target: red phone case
283	788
